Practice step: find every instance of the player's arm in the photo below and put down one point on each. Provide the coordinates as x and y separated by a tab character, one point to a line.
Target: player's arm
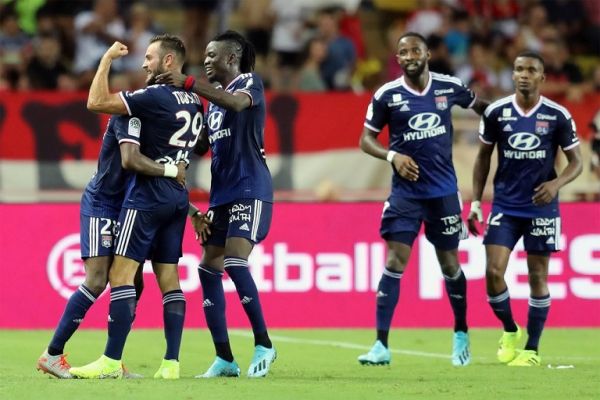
100	100
202	145
237	101
403	164
132	159
480	105
481	170
547	191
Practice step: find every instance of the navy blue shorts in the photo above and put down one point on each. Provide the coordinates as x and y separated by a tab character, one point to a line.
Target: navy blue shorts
97	234
246	218
155	235
444	228
540	234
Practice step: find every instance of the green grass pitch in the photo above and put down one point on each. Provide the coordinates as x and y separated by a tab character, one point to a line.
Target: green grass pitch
314	364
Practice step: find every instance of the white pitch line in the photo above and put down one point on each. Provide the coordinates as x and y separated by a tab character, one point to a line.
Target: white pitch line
345	345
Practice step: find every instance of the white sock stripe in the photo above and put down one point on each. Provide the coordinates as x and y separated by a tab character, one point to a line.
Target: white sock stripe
499	298
172	298
87	293
211	271
122	294
391	274
539	303
453	277
235	262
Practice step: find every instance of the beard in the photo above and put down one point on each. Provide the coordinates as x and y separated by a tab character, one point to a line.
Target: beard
416	72
151	80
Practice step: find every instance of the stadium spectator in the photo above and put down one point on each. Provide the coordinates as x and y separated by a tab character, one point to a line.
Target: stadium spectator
46	70
426	19
563	77
241	195
340	60
95	30
309	78
440	58
15	49
478	73
424	188
525	198
258	24
153	216
595	144
138	36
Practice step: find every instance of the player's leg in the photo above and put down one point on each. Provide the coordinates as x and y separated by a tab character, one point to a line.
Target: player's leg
249	223
541	239
137	231
444	228
503	232
400	224
96	243
211	272
539	305
174	304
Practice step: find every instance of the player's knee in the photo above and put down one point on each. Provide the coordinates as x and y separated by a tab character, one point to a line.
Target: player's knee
494	273
450	269
537	280
395	262
96	282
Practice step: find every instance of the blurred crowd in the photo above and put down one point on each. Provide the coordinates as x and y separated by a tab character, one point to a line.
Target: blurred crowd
306	45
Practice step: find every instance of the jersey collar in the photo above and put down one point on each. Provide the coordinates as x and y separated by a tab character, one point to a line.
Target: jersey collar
237	78
413	91
521	112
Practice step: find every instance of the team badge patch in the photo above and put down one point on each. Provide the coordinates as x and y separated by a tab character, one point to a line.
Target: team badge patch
441	103
135	125
542	127
107	241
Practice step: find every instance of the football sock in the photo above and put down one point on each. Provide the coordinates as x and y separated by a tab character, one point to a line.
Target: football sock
173	317
120	317
388	292
214	309
77	306
456	287
237	269
500	304
536	318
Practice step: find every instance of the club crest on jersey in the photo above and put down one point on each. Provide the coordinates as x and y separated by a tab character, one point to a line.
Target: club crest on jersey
441	103
107	241
542	127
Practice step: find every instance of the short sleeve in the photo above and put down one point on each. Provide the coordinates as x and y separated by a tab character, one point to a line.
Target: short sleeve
487	133
377	115
463	96
128	129
566	132
142	102
253	87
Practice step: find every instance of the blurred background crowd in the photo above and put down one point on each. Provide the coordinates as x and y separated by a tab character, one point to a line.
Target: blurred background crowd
306	45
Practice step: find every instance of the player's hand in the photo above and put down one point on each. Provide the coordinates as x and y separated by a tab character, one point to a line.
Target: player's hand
406	167
545	193
201	223
475	216
117	50
171	78
180	178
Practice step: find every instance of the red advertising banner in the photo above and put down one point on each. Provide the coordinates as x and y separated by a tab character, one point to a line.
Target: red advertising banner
319	267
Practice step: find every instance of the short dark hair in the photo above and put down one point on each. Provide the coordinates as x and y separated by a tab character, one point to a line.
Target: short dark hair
170	43
532	54
415	35
243	49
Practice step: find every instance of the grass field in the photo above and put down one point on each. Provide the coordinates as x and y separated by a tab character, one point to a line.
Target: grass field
313	364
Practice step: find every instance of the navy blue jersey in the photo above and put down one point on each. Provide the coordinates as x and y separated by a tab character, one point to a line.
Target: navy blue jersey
172	121
107	187
239	168
527	146
420	126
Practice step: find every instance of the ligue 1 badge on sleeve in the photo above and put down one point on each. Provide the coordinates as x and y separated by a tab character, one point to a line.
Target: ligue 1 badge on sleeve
441	103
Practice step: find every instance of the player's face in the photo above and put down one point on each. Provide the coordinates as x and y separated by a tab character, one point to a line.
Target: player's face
528	73
412	56
153	63
215	61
